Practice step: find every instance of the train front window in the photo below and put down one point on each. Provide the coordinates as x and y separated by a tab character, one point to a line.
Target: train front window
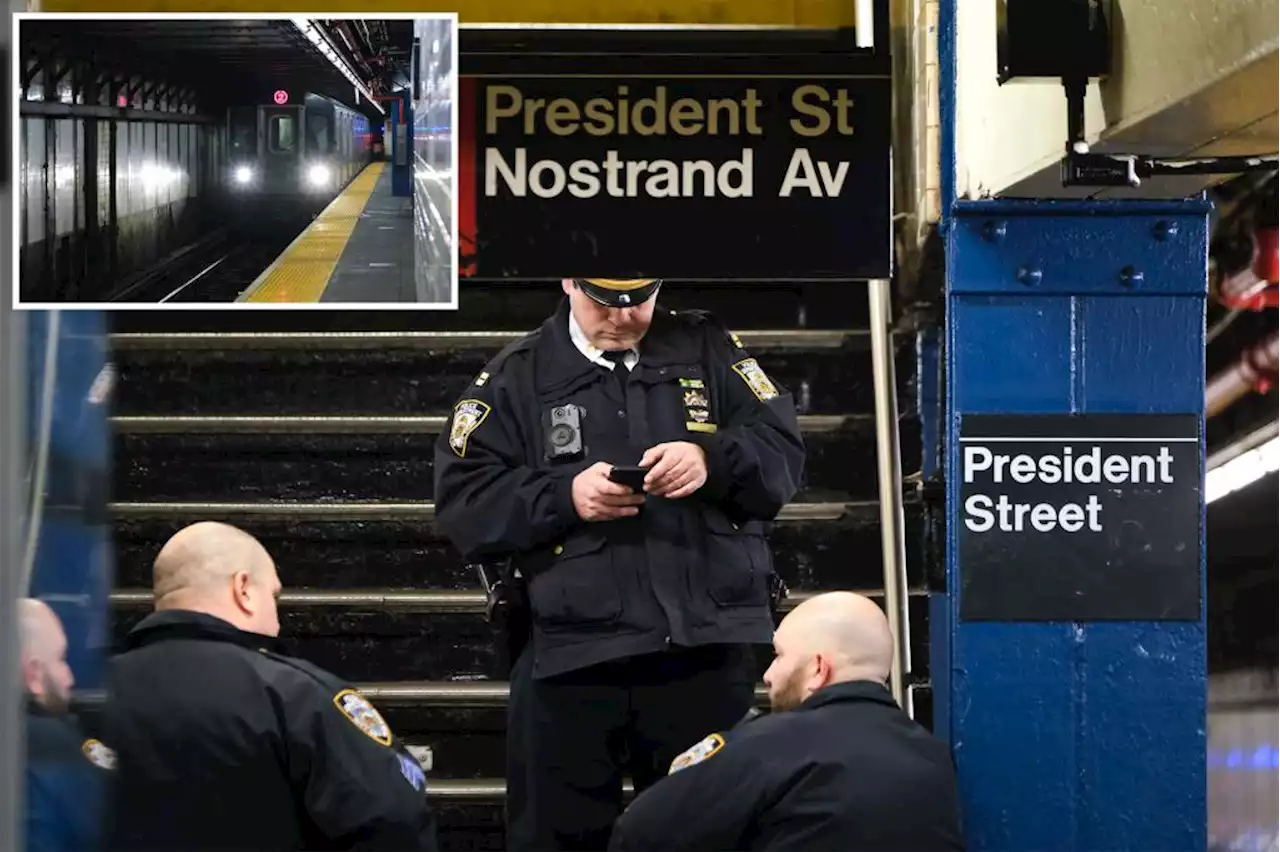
244	131
283	134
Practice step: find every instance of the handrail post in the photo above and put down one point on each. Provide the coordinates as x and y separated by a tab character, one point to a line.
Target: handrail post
889	472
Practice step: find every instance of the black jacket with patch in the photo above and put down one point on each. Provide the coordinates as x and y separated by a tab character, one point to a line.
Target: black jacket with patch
65	781
847	771
222	743
683	572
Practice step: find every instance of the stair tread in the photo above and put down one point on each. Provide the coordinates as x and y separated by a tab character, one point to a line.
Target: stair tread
452	599
810	510
363	423
242	340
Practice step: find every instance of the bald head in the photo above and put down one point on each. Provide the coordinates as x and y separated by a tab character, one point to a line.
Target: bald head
221	571
42	648
831	638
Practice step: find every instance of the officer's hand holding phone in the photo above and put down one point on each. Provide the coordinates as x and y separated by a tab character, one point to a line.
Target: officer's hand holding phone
676	469
597	498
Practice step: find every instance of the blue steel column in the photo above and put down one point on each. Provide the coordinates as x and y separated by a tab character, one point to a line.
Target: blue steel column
1087	735
74	561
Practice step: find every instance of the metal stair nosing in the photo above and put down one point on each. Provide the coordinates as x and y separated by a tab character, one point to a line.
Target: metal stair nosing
753	339
182	424
469	694
421	510
431	600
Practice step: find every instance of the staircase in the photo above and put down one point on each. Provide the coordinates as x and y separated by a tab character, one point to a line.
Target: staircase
314	431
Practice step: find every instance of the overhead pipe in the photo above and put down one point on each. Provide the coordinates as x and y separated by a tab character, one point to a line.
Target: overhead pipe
1256	370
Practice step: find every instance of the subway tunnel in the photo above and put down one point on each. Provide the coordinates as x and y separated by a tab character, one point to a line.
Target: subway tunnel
221	160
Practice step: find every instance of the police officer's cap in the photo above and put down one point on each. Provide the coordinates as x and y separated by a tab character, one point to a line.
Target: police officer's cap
619	292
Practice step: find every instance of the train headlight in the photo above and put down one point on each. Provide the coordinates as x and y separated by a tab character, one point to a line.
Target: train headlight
243	175
318	175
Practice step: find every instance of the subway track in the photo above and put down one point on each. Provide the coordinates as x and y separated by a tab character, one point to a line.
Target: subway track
214	271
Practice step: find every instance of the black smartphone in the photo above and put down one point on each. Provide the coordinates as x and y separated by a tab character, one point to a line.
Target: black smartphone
632	477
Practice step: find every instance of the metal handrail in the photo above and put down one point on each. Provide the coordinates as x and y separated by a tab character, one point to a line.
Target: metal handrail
889	469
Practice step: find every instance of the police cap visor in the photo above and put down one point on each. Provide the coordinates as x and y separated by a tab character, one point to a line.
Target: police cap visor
619	292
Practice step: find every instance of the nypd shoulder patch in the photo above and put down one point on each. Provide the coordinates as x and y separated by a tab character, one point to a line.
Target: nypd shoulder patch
700	752
467	417
751	372
362	714
98	754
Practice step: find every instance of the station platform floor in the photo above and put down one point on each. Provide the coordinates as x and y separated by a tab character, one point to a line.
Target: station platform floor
359	249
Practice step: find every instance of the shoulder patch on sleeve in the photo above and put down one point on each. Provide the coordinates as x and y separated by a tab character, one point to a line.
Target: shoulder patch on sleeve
412	771
697	754
362	714
467	417
98	754
750	371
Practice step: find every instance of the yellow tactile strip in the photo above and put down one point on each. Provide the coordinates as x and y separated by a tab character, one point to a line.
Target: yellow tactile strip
302	273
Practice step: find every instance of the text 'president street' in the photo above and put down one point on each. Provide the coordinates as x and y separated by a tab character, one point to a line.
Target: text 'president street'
986	468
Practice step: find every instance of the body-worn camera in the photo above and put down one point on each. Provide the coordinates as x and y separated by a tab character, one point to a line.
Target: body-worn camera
562	430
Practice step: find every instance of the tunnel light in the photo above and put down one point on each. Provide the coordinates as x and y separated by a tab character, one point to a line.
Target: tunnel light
244	174
318	175
1241	467
317	38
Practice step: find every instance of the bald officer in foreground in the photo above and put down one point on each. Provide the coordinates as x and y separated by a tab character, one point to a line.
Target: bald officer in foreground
837	766
223	743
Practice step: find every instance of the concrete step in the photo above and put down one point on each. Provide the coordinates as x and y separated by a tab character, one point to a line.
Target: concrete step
340	545
523	305
361	643
390	458
388	373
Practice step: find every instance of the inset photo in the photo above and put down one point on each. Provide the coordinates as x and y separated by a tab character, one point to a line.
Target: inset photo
235	160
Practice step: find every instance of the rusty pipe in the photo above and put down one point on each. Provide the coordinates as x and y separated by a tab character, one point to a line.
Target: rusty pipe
1256	364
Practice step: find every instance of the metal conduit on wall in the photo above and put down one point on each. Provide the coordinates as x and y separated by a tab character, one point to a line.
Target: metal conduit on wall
1256	364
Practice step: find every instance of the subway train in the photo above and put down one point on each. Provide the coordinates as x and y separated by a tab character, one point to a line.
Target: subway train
287	160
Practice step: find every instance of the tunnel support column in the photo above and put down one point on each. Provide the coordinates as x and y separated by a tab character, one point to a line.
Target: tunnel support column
1072	687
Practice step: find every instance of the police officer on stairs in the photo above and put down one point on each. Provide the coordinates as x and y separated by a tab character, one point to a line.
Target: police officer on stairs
836	766
644	604
224	743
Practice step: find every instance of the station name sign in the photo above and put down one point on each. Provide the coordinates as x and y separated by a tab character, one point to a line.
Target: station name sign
718	176
1080	517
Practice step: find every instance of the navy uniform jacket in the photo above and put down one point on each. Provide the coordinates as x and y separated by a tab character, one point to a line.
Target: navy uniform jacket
223	744
66	777
845	771
683	572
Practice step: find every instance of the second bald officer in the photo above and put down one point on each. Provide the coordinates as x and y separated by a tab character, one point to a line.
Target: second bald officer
647	587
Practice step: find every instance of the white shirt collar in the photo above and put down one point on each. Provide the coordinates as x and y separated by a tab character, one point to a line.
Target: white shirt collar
594	355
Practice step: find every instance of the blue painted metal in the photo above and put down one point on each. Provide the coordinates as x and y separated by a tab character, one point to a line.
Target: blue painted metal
931	408
400	143
74	562
1075	736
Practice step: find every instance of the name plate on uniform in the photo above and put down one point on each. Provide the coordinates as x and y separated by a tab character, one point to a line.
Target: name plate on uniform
1080	517
643	162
